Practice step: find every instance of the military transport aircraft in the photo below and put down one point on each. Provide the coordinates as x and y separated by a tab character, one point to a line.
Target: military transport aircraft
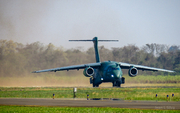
108	71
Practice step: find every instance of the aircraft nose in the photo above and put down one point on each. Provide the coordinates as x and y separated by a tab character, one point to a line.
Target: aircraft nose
115	75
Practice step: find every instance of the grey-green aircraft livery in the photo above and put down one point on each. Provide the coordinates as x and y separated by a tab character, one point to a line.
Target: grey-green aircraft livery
107	71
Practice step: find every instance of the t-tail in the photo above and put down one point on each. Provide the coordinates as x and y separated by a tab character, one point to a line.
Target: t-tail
95	41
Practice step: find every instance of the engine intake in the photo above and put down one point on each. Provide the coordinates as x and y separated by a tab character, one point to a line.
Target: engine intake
88	72
133	72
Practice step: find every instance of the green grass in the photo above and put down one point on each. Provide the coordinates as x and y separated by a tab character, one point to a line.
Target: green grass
122	93
27	109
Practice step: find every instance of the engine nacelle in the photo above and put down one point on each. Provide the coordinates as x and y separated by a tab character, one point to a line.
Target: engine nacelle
133	72
88	72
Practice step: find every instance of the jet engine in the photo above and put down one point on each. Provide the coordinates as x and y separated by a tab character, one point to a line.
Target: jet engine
133	72
88	72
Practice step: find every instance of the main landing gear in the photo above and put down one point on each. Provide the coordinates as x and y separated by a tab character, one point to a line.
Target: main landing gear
92	81
95	85
116	84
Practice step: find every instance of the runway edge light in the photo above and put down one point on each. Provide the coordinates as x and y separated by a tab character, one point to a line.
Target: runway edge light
87	97
53	95
74	91
156	95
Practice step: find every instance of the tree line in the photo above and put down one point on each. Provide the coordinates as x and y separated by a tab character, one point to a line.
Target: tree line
17	59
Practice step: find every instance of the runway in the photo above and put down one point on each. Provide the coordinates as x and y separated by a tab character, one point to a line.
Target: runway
90	103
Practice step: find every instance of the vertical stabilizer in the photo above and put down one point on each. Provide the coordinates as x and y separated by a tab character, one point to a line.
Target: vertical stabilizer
95	41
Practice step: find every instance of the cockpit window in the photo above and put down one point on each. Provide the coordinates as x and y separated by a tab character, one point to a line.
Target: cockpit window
110	69
115	68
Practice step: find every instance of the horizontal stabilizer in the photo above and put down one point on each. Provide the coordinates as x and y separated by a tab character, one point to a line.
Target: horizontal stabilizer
97	40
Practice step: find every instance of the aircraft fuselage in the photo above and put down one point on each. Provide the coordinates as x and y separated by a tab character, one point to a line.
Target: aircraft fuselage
109	71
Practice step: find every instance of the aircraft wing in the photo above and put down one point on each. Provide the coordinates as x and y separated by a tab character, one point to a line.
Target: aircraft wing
73	67
141	67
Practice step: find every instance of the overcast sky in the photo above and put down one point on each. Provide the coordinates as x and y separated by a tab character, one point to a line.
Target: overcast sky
56	21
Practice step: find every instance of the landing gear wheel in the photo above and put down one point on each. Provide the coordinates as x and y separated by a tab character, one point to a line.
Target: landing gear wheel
116	84
95	85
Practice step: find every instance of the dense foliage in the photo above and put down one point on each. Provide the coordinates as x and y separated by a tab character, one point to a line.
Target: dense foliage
17	59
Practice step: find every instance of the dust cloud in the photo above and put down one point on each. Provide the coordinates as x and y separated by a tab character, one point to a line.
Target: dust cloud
43	81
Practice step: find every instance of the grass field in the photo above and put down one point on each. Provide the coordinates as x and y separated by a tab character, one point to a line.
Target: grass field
44	86
121	93
25	109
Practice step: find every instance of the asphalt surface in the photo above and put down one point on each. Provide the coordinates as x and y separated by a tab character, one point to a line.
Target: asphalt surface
90	103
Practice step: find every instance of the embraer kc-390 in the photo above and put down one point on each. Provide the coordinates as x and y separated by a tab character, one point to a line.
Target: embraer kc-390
108	71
